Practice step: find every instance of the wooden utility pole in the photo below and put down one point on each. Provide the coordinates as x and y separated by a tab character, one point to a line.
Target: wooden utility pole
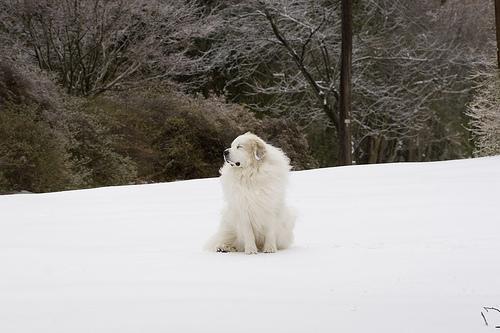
497	20
345	148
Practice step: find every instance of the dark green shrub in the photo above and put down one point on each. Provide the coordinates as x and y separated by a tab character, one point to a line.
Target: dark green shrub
33	135
93	155
172	136
50	141
47	143
33	155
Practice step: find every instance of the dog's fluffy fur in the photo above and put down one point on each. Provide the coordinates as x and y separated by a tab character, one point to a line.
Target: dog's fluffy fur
254	178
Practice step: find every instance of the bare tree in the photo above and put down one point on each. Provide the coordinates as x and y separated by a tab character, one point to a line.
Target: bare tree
345	100
497	21
283	52
284	57
97	45
484	113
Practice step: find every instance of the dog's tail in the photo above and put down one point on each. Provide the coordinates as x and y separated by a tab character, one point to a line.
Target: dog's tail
285	237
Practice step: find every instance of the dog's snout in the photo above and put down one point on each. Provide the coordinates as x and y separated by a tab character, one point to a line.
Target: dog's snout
226	152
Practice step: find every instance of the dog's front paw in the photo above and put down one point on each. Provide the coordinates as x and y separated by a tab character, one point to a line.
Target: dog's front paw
251	249
225	248
269	249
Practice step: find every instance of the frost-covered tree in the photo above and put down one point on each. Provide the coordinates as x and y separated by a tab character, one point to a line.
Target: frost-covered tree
97	45
484	113
283	57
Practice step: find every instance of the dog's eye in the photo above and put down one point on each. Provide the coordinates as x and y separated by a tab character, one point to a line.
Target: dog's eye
239	146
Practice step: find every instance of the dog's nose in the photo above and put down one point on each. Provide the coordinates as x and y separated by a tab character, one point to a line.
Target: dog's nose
226	152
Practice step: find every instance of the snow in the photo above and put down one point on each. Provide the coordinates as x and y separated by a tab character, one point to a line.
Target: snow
408	247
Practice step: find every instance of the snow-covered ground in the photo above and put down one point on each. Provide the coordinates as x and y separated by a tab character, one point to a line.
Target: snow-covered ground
382	248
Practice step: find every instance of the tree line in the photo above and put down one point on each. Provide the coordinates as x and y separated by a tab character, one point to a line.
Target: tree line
423	82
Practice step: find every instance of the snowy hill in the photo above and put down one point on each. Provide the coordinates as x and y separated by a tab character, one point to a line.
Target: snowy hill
382	248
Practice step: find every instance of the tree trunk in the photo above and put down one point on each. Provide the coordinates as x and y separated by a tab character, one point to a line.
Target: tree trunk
374	149
393	154
497	19
344	126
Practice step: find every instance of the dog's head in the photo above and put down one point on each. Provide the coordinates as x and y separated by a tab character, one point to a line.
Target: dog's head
247	150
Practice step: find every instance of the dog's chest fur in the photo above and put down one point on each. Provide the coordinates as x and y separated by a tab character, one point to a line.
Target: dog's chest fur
255	194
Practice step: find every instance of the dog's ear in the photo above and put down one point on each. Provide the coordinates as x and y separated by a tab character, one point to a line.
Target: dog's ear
259	150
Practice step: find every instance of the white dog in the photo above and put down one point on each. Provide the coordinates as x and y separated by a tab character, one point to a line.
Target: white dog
254	177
